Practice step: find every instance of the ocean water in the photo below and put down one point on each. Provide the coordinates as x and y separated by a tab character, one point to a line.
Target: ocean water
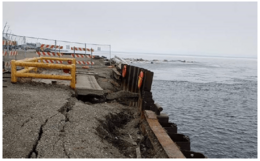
212	100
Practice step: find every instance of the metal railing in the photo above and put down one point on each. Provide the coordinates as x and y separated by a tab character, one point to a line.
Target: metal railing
34	63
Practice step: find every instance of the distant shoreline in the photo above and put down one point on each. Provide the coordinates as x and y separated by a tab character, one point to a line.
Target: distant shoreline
179	55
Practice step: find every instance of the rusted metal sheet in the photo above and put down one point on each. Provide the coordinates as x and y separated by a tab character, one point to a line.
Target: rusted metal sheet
171	128
140	106
192	154
158	109
144	81
164	131
181	140
124	79
163	118
127	77
130	78
136	83
148	80
134	78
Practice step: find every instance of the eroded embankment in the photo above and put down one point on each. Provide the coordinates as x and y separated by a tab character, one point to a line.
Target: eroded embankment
47	121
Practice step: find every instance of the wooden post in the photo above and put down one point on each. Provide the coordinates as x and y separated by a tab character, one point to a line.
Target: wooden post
73	75
13	72
74	61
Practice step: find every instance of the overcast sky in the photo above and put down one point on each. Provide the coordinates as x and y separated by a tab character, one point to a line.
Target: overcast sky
188	28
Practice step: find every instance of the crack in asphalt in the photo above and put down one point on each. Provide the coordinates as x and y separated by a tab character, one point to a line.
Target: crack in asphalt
39	137
37	141
63	110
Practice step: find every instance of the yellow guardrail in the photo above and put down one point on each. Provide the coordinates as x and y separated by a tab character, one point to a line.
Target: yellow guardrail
33	64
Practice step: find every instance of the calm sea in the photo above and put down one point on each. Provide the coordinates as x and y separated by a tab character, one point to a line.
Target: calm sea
212	100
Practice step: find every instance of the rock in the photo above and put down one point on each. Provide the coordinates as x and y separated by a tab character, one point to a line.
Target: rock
73	93
138	152
134	143
114	83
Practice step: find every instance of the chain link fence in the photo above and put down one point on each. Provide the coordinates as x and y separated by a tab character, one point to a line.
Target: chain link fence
16	47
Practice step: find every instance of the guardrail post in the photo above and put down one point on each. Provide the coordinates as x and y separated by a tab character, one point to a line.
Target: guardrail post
41	59
13	72
74	61
73	75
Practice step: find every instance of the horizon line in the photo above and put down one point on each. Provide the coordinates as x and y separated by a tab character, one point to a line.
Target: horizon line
229	56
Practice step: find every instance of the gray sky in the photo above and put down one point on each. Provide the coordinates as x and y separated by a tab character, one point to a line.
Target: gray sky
185	28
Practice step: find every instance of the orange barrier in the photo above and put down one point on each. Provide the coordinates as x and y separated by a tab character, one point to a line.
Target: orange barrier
140	79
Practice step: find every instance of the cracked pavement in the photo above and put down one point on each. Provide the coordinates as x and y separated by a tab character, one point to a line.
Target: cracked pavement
44	121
